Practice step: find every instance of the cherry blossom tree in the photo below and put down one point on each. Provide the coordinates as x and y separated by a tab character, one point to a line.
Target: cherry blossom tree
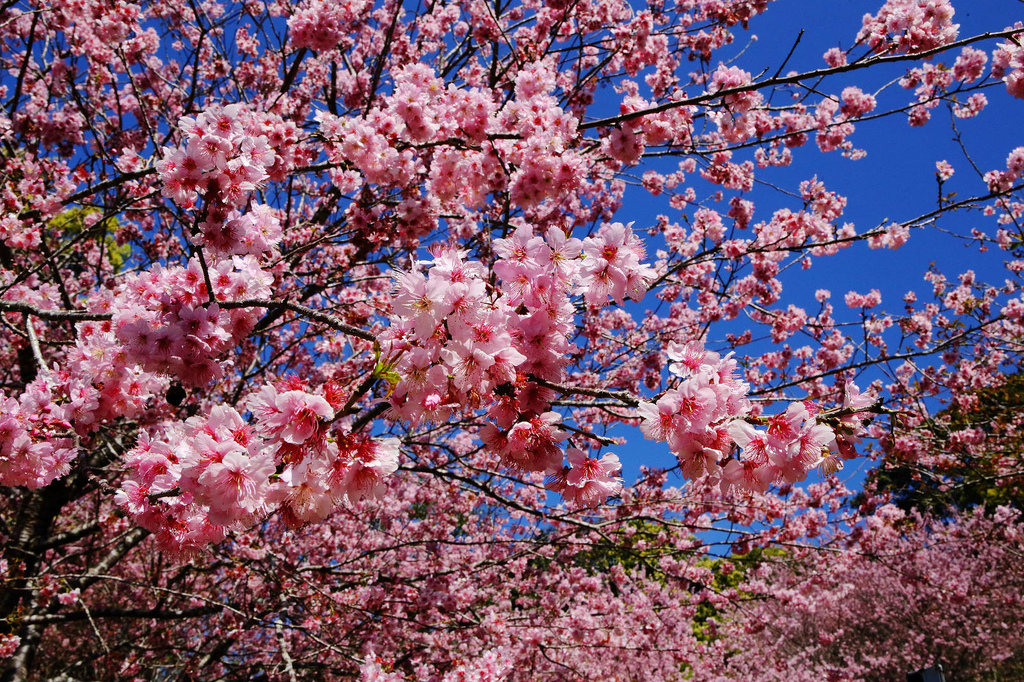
897	594
326	324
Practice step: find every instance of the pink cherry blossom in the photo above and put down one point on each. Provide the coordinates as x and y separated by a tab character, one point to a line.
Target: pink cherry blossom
587	481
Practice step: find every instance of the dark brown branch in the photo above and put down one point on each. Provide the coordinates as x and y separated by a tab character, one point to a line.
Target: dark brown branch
937	348
126	543
54	315
368	416
16	97
624	398
330	320
156	614
378	68
65	538
796	78
785	61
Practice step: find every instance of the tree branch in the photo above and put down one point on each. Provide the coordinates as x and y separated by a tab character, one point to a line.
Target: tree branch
54	315
330	320
795	78
155	614
626	399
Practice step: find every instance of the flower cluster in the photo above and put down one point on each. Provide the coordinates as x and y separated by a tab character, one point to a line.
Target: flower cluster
199	477
1003	180
856	102
321	25
254	233
219	162
100	382
931	82
792	444
450	339
319	470
419	100
731	77
707	414
170	322
350	467
452	343
228	152
366	144
8	645
530	444
36	446
540	274
587	481
612	265
692	417
969	65
290	418
909	26
547	166
728	174
1008	64
207	475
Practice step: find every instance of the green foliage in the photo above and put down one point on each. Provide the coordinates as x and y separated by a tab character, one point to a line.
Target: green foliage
72	225
728	574
640	548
